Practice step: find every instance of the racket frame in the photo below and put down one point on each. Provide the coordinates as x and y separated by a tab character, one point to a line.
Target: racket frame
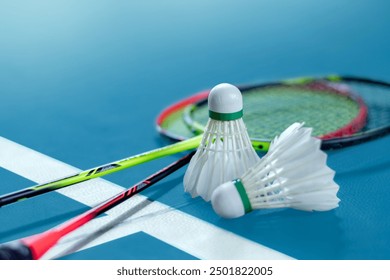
346	136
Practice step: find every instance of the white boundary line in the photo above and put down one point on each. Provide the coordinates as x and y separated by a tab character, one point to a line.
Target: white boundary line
185	232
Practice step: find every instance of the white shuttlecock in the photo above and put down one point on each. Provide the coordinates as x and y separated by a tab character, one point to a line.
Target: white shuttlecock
292	174
225	151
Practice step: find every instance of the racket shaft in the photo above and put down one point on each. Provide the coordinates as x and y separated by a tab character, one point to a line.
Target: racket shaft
100	171
34	247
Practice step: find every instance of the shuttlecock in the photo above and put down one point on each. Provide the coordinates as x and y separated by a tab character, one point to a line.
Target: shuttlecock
292	174
225	151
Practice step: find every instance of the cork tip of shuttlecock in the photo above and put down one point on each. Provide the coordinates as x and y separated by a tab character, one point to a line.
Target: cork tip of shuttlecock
226	201
225	98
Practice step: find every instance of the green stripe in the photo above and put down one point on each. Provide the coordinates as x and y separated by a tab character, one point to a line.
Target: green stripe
298	81
334	78
225	116
305	80
244	196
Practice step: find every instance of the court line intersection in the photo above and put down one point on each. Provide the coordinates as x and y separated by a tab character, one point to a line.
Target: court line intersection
161	221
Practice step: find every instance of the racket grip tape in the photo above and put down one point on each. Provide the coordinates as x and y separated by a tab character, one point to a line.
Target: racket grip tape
15	250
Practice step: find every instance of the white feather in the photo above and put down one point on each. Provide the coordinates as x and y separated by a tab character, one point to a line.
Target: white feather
225	153
293	174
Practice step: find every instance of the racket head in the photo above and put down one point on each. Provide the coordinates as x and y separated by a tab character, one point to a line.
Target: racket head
361	122
270	108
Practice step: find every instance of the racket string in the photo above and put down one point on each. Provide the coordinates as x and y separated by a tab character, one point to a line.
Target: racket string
269	110
340	123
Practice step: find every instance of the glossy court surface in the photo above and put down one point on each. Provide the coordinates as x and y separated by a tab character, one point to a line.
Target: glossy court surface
81	83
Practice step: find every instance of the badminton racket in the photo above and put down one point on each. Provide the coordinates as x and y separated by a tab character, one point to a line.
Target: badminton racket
188	144
343	121
343	111
35	246
100	171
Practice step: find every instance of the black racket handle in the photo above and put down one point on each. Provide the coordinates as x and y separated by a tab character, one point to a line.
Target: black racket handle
15	250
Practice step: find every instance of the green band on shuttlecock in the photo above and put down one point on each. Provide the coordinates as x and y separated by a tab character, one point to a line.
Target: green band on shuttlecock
244	196
225	116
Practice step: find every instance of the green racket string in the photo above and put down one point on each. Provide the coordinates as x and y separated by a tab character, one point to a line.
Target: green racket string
342	110
269	110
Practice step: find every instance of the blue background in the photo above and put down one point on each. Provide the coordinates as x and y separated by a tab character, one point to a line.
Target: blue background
83	81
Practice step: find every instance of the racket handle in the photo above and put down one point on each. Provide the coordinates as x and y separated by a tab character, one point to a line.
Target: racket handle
15	250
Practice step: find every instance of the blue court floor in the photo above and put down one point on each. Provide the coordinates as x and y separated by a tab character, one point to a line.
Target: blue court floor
82	82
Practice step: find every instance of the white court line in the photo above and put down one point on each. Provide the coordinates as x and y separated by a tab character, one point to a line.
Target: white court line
185	232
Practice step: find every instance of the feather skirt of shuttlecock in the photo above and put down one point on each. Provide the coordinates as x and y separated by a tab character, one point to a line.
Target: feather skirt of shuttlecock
293	174
225	153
